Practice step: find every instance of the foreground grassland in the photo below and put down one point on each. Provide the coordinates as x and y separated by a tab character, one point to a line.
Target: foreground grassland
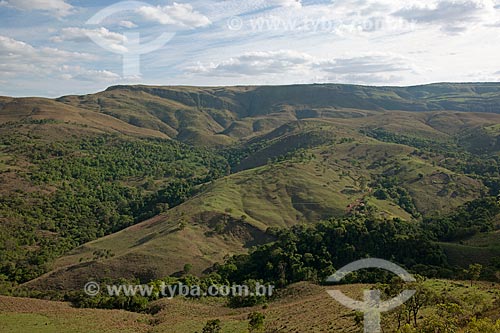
31	315
301	307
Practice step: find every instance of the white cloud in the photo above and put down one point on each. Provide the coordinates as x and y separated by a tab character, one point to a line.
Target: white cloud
286	3
20	59
256	63
127	24
494	25
369	16
59	8
115	40
367	79
366	69
453	16
177	15
55	54
83	74
375	68
368	64
340	17
11	48
223	9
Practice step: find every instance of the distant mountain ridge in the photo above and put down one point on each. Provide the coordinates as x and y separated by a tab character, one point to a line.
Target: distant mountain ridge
432	97
223	115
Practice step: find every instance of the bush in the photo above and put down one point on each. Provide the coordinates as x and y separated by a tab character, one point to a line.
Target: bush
212	326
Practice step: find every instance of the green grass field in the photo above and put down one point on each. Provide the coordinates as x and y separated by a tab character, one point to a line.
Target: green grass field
20	315
302	307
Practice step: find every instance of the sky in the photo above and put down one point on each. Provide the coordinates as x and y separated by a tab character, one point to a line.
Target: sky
59	47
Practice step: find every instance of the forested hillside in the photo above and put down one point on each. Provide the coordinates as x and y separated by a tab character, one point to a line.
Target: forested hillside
109	184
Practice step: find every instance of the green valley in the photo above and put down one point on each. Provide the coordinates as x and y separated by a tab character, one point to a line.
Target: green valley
278	184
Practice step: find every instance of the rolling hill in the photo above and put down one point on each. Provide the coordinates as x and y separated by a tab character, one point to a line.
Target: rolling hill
189	175
221	115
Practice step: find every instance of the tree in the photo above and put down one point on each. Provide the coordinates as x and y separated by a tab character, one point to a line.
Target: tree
407	314
359	319
187	268
212	326
483	326
474	272
256	322
446	319
423	296
380	194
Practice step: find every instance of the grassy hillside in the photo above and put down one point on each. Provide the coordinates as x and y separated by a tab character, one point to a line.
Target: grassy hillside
96	164
301	307
303	181
50	119
57	195
221	115
19	315
477	249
